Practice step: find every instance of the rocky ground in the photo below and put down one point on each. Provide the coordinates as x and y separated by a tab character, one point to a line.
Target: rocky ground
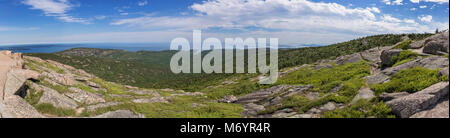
33	88
431	102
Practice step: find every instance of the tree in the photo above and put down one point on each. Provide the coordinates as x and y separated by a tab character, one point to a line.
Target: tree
437	30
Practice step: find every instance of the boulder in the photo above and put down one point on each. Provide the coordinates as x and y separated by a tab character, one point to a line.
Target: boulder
441	110
437	43
377	78
228	99
411	104
363	93
16	107
348	59
372	55
51	96
252	109
84	97
417	44
387	56
120	114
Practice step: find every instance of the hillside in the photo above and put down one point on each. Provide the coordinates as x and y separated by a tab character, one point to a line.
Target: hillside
151	69
378	76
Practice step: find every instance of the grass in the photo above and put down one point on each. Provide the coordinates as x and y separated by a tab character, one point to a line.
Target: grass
361	109
50	109
410	80
33	96
179	107
326	79
403	45
350	75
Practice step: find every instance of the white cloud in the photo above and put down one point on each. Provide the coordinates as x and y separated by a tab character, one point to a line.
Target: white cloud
394	2
413	9
142	3
425	18
423	6
283	15
436	1
55	8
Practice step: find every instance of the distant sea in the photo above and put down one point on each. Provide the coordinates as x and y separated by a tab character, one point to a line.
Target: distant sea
51	48
132	47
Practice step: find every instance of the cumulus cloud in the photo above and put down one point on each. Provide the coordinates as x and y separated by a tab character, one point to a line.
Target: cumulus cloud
423	6
142	3
425	18
394	2
436	1
301	18
55	8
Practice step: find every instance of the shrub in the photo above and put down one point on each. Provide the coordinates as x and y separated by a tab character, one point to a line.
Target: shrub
403	57
410	80
403	45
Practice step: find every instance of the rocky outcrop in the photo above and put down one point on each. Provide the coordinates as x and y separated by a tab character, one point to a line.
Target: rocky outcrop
377	78
120	114
440	110
437	44
387	56
13	87
432	62
409	105
363	93
56	99
348	59
84	97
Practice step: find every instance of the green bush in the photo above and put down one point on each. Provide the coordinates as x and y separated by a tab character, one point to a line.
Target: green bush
403	57
403	45
410	80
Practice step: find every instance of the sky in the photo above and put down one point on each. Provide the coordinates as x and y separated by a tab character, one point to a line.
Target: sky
293	22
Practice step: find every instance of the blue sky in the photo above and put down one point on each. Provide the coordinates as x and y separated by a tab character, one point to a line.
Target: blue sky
294	22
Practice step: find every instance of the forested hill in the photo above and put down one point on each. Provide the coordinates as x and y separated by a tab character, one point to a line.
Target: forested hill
151	69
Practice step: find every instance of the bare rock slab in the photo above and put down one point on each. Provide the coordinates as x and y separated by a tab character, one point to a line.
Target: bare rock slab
409	105
83	96
51	96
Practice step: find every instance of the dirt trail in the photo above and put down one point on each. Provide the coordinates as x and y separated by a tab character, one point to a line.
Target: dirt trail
5	65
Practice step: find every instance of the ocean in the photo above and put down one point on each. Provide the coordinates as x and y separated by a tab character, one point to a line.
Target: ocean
52	48
132	47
